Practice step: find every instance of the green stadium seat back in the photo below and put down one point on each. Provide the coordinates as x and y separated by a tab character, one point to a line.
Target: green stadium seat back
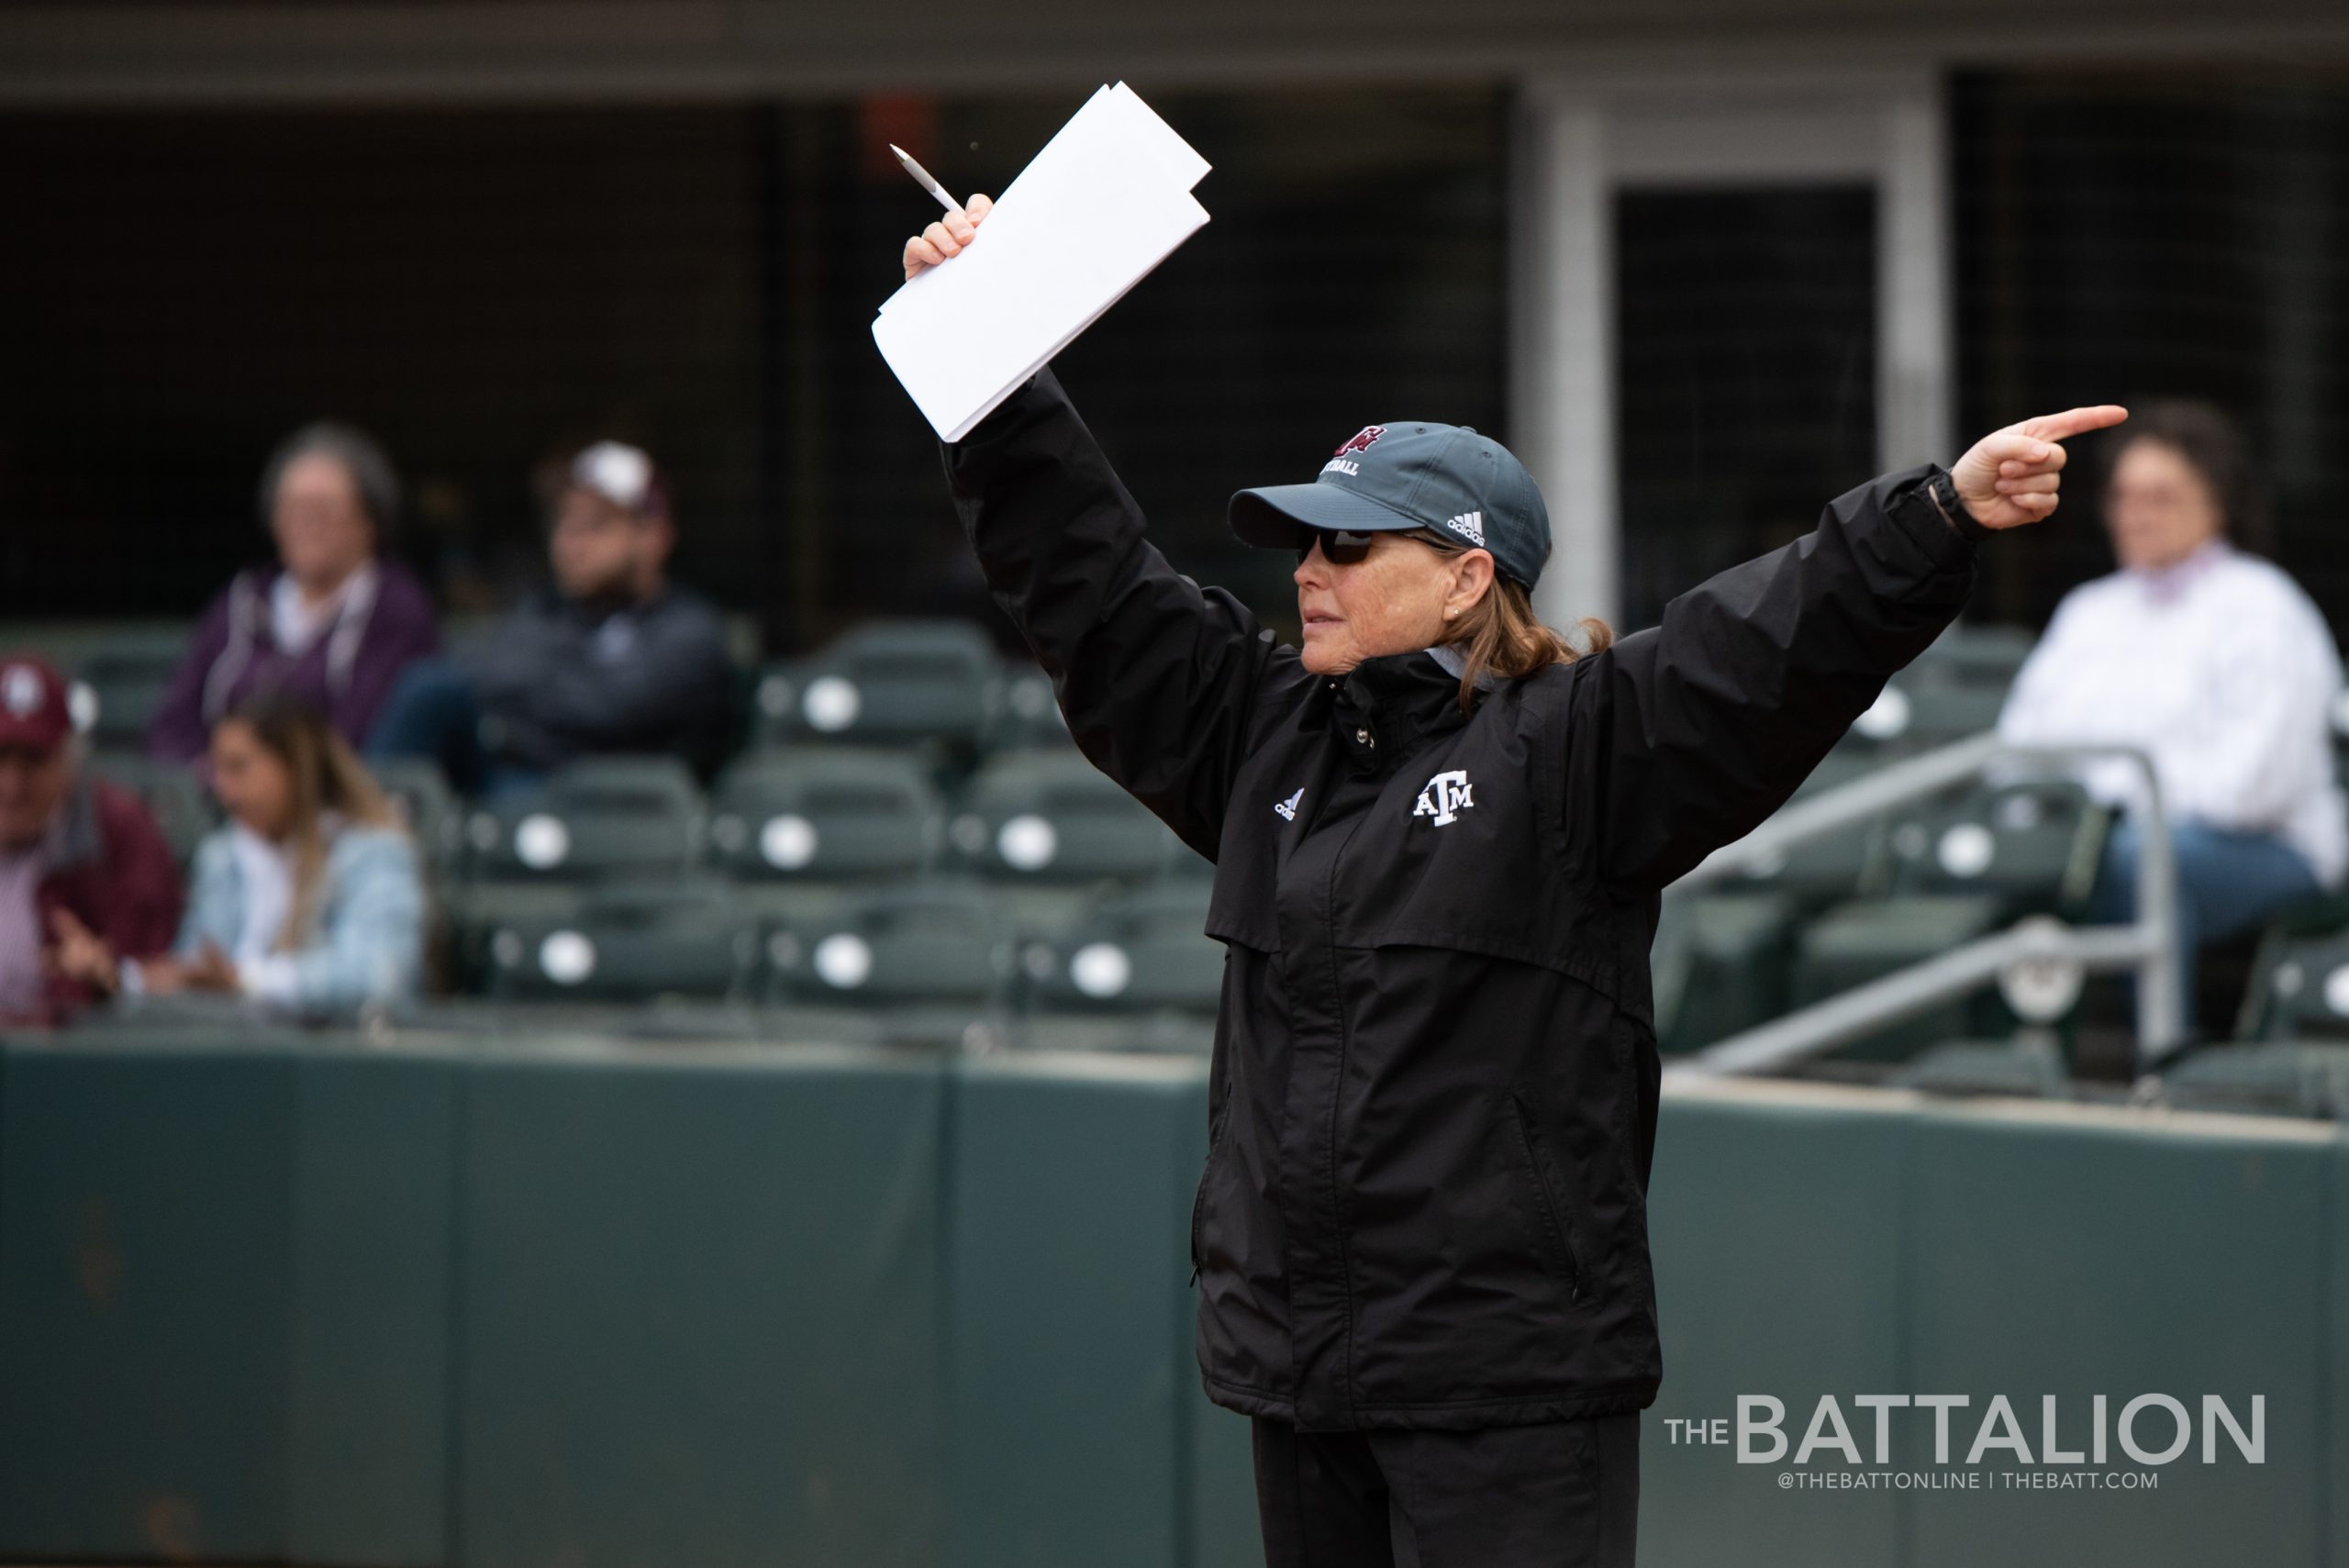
1147	951
1030	714
1974	655
1053	816
1722	965
2276	1078
127	673
886	681
2027	1067
931	942
629	942
1821	870
1848	760
826	816
474	912
598	817
1916	713
180	805
2034	844
2300	986
1867	938
427	806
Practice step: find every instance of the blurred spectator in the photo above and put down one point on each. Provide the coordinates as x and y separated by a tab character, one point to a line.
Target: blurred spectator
2214	662
334	622
611	656
310	899
84	873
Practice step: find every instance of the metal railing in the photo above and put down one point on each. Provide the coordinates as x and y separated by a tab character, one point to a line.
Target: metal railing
2148	944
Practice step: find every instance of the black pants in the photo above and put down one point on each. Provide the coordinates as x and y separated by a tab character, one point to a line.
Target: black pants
1561	1494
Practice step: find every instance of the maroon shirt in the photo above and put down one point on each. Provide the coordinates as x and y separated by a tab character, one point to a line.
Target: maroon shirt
115	872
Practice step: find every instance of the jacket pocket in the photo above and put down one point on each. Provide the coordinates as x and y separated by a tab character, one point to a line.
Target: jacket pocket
1554	1229
1200	1198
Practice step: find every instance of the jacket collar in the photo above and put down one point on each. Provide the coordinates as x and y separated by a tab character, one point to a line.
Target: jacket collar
1383	708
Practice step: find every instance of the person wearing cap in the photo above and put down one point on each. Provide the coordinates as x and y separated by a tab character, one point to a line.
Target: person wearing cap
332	623
610	656
85	876
1440	831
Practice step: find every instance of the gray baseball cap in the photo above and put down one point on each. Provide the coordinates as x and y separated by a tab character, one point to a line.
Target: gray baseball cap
1412	474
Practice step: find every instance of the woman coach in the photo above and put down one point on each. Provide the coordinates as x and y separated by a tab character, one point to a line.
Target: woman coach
1440	836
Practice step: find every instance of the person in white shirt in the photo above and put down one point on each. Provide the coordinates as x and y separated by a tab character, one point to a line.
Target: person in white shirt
310	899
2215	664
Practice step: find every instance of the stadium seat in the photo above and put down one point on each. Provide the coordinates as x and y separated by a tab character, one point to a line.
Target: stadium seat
1139	952
1916	712
428	807
599	817
1974	655
1721	963
1862	940
2273	1078
2299	982
2035	845
1051	817
886	682
2029	1067
126	672
629	941
1029	713
180	805
932	942
1823	870
824	816
1849	760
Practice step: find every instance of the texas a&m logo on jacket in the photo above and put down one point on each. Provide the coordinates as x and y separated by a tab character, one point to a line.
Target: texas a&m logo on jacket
1445	797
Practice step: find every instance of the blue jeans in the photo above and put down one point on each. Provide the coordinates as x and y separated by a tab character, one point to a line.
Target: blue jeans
432	712
2227	884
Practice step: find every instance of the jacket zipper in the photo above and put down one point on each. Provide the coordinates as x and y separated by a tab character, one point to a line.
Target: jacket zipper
1552	1219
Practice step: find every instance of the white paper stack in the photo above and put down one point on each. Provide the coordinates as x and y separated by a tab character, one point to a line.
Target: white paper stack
1107	200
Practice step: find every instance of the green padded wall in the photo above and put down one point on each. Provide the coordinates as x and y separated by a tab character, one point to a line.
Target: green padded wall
581	1302
223	1299
701	1307
368	1368
1223	1477
1073	1378
1776	1227
2074	1256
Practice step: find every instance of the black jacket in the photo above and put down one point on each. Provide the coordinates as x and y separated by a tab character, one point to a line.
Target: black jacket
560	678
1433	1094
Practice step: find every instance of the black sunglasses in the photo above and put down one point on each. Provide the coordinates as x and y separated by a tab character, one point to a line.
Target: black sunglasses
1350	547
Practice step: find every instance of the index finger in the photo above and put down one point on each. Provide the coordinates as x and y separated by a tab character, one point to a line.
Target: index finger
2074	422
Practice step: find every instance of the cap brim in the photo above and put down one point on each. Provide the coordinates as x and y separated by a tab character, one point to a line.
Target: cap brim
1271	515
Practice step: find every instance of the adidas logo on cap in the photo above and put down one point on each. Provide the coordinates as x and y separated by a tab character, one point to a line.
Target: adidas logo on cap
1469	526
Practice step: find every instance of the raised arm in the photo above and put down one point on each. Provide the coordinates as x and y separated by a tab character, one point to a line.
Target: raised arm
1685	736
1156	676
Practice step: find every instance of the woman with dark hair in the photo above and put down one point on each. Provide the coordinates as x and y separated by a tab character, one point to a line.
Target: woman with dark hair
1440	833
2214	662
334	622
309	899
